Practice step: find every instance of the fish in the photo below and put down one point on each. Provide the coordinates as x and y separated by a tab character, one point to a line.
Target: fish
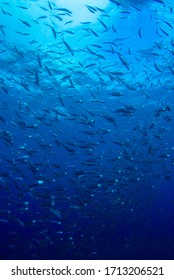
116	73
101	10
4	221
95	54
58	17
115	2
53	30
123	61
110	119
168	23
39	61
2	119
68	47
93	32
37	77
69	149
48	70
43	8
164	31
22	7
25	22
156	67
68	22
90	65
42	17
85	22
117	94
50	6
102	23
64	10
91	9
139	33
113	28
159	1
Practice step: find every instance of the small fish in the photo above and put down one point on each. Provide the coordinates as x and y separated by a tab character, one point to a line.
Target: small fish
68	149
101	10
18	51
89	65
117	93
115	2
113	28
159	1
39	61
97	46
117	143
64	10
22	7
123	61
68	47
116	73
36	78
48	70
43	8
49	4
91	9
68	22
93	32
35	21
168	24
25	22
34	41
3	11
136	8
164	32
130	87
110	118
53	30
156	67
2	119
42	17
139	33
58	17
69	31
25	34
65	77
172	42
3	221
55	212
85	22
104	25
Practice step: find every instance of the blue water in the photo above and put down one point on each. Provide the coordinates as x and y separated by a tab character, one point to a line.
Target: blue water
86	129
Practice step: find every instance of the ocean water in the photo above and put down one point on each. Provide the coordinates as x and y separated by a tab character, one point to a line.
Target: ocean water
86	129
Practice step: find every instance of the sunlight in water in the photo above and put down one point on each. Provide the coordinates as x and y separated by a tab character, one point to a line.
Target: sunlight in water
80	10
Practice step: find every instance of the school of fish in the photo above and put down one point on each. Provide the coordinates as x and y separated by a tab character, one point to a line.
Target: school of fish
86	118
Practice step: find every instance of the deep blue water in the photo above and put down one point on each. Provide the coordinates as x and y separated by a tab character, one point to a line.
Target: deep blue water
86	129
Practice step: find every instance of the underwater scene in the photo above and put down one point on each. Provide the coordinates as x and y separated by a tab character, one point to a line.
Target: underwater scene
86	129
